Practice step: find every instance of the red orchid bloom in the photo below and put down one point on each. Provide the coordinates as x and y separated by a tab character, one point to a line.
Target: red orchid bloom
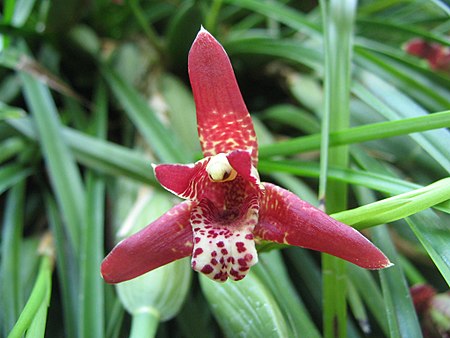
227	208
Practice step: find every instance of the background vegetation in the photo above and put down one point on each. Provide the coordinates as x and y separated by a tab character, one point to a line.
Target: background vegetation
92	92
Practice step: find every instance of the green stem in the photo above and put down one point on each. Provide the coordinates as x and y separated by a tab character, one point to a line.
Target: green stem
144	324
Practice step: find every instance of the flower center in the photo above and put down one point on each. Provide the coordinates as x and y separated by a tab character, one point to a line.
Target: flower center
219	169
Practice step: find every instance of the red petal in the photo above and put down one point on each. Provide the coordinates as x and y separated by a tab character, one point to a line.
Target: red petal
165	240
222	117
184	180
241	161
285	218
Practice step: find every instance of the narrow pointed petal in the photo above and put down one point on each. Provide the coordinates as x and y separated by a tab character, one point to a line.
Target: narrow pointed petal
167	239
224	123
223	243
285	218
187	181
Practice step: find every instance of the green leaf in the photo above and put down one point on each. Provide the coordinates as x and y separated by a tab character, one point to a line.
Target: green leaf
401	315
397	207
91	284
370	132
10	286
63	172
434	234
280	13
396	105
286	49
272	271
67	272
379	182
11	174
338	20
98	154
11	147
165	145
92	308
245	309
38	301
181	111
370	292
7	112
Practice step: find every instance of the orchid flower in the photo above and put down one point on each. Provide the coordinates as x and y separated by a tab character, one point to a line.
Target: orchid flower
227	209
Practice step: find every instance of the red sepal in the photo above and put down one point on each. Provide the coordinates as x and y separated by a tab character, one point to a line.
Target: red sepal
165	240
224	123
285	218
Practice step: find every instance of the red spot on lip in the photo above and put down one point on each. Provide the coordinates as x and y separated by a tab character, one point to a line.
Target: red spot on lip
242	262
249	236
207	269
197	239
220	244
224	252
234	273
214	261
240	247
197	252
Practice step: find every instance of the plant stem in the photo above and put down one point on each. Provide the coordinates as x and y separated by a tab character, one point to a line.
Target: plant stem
144	324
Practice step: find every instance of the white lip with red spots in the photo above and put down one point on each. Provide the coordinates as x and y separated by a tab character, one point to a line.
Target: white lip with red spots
223	251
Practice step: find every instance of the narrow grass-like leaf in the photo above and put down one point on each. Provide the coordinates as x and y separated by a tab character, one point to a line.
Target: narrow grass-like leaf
280	13
63	173
360	134
309	276
12	227
10	174
370	292
379	182
67	272
357	307
7	112
11	147
116	314
245	309
165	145
92	310
402	78
397	207
338	19
411	30
181	111
286	49
272	272
434	235
291	116
22	10
401	315
98	154
40	297
91	284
